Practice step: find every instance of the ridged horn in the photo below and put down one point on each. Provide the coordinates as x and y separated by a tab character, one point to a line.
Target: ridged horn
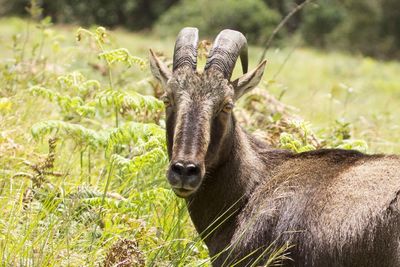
228	45
185	51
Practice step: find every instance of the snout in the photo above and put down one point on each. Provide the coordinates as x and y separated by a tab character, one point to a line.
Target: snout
185	177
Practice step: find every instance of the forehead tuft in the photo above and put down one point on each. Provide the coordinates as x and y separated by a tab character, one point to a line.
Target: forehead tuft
204	85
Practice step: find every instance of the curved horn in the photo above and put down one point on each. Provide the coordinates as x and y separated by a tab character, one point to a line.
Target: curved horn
185	51
225	51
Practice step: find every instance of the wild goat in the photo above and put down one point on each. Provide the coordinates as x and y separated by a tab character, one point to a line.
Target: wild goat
335	207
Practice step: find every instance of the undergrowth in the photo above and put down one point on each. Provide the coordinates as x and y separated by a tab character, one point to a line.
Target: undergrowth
83	154
98	195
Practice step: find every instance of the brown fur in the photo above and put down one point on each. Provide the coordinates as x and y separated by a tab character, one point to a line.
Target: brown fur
336	207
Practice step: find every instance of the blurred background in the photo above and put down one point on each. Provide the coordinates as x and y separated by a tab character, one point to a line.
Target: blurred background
82	141
370	27
334	62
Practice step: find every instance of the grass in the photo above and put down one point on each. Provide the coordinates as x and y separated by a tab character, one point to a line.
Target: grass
71	200
323	86
332	86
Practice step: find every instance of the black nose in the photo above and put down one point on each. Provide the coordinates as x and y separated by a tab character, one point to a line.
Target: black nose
184	176
182	169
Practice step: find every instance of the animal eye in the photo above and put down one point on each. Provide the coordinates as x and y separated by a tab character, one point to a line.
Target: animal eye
166	100
228	107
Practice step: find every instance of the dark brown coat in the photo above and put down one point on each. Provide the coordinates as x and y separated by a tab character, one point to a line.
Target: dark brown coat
329	207
336	207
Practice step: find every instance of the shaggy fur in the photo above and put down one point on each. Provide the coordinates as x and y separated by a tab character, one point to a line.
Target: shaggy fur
335	207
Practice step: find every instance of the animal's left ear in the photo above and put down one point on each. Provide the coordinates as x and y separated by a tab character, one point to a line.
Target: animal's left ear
248	81
159	69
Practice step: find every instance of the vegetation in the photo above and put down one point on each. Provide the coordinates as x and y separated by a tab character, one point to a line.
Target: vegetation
133	14
83	160
369	27
252	17
83	157
357	26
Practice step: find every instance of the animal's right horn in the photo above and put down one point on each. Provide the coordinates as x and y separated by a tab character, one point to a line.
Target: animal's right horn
185	52
228	45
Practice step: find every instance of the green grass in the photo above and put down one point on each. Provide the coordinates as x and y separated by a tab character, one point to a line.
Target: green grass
323	86
329	86
108	179
107	182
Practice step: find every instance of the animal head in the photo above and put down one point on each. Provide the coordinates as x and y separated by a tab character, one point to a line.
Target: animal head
199	104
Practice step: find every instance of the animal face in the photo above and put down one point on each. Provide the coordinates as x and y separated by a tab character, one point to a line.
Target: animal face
198	115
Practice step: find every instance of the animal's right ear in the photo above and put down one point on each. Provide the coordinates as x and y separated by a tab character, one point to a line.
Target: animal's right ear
249	80
159	69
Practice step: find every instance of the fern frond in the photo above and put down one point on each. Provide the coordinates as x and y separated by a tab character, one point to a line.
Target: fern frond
122	55
289	141
136	164
66	103
137	133
99	35
134	172
78	82
129	101
79	134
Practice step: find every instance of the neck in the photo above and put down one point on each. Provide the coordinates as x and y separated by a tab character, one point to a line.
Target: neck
226	188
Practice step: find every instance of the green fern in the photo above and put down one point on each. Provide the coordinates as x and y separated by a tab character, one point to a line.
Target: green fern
78	83
129	101
138	134
122	55
78	133
136	164
298	141
66	103
289	141
100	34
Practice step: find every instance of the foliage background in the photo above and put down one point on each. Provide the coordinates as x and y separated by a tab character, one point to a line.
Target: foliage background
369	27
82	145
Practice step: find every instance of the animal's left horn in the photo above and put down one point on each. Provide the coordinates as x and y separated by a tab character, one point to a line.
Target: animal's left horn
228	45
185	52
